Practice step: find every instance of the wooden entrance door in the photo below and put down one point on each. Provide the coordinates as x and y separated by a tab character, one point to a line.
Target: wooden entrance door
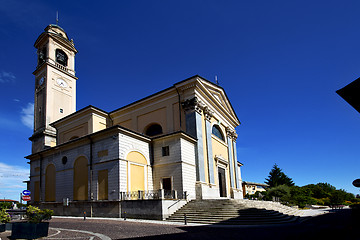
222	182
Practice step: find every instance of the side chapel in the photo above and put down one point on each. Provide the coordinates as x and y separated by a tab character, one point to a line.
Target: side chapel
179	143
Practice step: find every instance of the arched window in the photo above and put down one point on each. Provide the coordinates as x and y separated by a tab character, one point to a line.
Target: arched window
154	129
217	132
74	137
50	183
81	179
61	57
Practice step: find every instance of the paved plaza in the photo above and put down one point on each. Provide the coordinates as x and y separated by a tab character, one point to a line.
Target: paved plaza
339	224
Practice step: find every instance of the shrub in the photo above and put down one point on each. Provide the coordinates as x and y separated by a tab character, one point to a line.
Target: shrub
35	215
5	205
4	216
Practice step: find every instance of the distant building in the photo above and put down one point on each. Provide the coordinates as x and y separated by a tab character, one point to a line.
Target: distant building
179	140
8	200
252	187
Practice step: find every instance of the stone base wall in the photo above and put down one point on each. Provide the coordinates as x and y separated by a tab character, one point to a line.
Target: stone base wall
142	209
204	191
236	193
150	209
77	208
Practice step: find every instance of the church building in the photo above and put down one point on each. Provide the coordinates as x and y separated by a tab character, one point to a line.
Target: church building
168	148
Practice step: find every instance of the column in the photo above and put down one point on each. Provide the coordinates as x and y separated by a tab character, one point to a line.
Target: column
236	166
208	115
229	134
193	111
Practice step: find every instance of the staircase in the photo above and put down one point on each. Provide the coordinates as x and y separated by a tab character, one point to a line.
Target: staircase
234	212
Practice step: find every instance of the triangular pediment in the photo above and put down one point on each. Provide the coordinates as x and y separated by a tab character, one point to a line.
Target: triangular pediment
218	96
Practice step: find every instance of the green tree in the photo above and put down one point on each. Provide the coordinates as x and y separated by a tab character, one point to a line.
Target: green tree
337	197
277	177
301	196
281	191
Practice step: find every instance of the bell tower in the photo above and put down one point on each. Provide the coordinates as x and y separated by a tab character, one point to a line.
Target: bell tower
55	84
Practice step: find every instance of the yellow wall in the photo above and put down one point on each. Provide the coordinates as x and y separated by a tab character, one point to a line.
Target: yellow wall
157	116
78	131
99	123
82	123
176	117
220	149
81	179
50	183
103	184
126	124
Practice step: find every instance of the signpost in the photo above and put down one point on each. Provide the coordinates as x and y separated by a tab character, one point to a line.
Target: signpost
26	192
26	198
25	195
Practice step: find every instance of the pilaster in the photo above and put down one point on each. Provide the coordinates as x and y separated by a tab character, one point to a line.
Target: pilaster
230	136
193	112
208	115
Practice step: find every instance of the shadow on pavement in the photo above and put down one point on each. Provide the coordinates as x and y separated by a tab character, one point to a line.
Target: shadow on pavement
338	224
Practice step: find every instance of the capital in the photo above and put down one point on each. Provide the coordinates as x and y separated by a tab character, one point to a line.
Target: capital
231	133
193	104
208	113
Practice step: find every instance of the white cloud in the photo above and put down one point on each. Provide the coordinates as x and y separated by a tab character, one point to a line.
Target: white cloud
6	77
27	115
11	180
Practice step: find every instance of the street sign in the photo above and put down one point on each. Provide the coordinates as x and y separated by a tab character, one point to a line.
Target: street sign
356	182
26	192
26	198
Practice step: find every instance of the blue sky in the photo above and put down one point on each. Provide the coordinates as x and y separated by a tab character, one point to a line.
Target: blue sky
280	63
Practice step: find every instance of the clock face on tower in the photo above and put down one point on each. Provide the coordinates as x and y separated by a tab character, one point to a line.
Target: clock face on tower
61	82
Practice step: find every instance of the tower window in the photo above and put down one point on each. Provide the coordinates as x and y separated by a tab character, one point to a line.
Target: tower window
61	57
42	56
61	110
165	151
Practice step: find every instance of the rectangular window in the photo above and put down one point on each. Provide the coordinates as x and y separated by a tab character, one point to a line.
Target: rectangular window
165	151
61	110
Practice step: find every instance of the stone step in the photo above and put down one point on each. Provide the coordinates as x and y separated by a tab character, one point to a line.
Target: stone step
242	222
234	212
230	216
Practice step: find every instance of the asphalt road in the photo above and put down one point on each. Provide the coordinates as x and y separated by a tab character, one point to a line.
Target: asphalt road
339	225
